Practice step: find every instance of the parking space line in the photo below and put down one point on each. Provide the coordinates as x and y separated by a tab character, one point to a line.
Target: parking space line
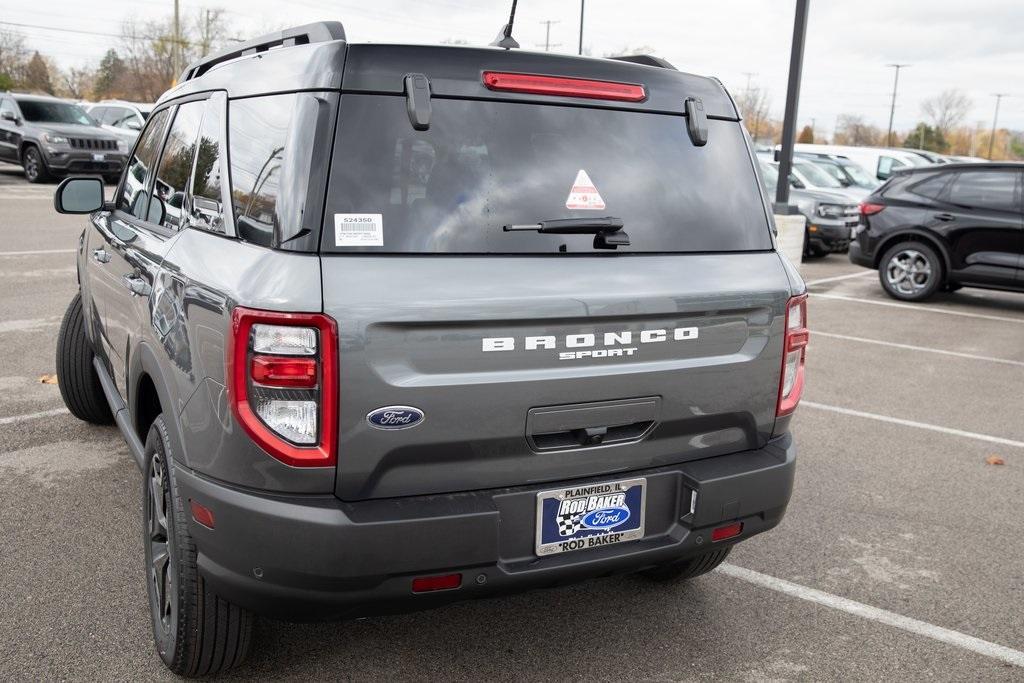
911	347
859	609
837	278
916	307
37	252
917	425
29	325
14	419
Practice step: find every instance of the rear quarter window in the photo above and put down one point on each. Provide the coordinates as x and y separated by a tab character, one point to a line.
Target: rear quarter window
483	164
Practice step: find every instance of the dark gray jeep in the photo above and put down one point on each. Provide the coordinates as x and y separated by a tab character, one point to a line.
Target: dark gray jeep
51	137
390	326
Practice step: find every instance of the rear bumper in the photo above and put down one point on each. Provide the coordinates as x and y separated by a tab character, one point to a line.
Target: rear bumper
316	557
858	257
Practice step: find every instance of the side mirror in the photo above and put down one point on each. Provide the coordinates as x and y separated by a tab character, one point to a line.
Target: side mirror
133	124
795	182
8	115
79	195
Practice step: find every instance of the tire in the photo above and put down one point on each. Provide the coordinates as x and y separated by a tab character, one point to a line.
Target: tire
77	379
196	632
34	165
688	569
911	271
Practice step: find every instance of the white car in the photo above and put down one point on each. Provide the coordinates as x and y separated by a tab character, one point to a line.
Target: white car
879	161
124	119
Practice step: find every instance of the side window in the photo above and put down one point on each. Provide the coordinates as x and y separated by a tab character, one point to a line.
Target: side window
97	113
134	198
984	190
932	188
258	138
168	205
207	212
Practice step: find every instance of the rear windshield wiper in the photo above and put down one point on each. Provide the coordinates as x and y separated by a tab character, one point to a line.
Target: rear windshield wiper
607	231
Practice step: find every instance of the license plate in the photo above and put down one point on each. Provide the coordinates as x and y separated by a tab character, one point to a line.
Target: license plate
99	157
591	516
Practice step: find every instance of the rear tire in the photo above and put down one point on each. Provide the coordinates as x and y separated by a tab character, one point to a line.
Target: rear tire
688	569
196	632
77	378
34	165
911	271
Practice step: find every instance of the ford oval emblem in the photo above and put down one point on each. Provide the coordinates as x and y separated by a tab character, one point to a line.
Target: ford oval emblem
605	518
395	417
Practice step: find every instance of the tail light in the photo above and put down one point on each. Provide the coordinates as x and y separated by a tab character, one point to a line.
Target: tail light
283	383
869	209
791	384
536	84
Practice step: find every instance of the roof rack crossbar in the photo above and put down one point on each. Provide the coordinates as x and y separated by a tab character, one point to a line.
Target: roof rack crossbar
319	32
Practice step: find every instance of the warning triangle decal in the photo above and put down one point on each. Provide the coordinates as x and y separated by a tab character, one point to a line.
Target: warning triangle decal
583	194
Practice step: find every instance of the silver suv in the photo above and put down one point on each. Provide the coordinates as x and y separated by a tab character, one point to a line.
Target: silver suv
390	326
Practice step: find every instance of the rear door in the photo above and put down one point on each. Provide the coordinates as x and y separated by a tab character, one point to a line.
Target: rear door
981	220
538	357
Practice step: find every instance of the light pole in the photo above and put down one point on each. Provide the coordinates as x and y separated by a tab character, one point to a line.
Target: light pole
796	65
892	109
582	6
992	138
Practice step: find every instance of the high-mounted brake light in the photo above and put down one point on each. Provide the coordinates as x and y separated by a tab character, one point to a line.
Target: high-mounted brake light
869	209
537	84
791	384
283	383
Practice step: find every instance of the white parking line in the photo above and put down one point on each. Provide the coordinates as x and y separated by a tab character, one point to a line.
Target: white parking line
29	325
13	419
916	307
837	278
37	252
859	609
910	347
917	425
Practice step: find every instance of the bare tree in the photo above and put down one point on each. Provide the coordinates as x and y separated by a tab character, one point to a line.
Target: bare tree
755	105
852	129
13	59
77	83
947	110
210	31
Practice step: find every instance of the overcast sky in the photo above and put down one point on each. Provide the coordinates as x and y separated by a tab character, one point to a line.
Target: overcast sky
977	46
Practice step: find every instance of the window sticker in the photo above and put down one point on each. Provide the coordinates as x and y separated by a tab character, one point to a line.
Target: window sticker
358	230
583	194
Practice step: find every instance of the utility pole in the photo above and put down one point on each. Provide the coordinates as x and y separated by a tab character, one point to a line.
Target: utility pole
547	35
176	49
749	75
796	65
892	109
582	6
992	138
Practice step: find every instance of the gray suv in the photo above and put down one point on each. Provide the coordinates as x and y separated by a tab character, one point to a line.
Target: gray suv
389	326
50	137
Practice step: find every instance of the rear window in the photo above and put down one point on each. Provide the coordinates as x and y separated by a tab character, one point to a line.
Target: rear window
482	165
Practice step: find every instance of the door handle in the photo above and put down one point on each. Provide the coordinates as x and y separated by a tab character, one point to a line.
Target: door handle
101	256
945	217
136	285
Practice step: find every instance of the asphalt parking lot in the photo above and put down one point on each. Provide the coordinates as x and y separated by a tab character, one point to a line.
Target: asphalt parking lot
902	555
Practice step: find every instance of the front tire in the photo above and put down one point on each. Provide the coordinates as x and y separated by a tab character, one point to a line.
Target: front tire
77	378
910	271
197	633
34	165
688	569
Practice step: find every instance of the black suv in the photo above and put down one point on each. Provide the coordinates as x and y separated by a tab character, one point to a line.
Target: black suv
388	326
944	227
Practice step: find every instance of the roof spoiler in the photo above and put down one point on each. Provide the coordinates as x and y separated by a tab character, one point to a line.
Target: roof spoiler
646	60
319	32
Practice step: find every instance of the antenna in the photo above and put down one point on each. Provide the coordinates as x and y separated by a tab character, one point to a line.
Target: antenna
505	38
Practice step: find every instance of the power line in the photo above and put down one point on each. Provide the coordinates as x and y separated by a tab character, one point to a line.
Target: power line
92	33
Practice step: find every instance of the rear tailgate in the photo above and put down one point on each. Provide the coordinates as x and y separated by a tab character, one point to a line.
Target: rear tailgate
412	333
540	357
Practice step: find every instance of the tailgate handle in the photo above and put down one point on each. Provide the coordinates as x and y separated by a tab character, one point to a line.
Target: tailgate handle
591	424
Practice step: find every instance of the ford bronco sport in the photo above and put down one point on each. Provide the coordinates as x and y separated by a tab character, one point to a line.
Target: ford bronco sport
390	326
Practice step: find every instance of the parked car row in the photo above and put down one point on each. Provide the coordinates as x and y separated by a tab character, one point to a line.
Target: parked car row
50	137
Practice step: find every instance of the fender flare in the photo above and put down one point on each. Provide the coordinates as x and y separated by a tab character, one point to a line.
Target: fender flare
910	235
144	362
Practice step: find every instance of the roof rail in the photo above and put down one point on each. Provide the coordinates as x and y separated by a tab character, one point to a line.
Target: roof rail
319	32
646	60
